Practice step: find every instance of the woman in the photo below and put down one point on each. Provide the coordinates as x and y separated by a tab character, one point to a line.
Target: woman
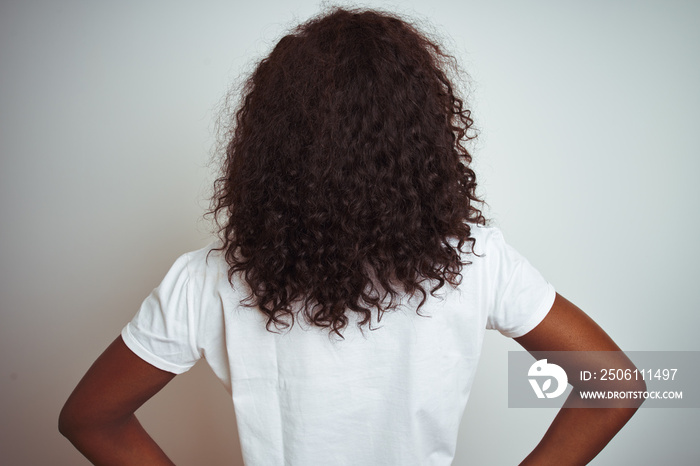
345	305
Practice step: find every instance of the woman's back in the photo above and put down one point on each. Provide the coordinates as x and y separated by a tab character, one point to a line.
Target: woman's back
391	395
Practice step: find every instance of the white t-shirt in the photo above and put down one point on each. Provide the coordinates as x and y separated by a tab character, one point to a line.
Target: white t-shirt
391	396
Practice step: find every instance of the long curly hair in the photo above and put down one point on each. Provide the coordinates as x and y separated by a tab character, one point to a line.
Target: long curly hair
346	181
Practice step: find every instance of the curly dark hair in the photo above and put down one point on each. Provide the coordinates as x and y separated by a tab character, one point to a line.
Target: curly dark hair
346	181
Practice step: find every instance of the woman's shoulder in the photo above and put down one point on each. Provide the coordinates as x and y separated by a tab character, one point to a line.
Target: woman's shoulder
206	264
482	238
478	230
212	251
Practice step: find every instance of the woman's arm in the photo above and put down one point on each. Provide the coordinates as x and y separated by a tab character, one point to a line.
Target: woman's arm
579	432
98	417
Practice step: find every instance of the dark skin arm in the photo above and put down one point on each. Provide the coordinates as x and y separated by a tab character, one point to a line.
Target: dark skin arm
98	417
579	431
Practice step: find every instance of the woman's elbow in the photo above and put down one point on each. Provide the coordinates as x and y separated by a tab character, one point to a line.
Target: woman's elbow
69	422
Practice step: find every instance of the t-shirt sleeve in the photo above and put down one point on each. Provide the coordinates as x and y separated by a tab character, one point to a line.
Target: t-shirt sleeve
162	332
522	296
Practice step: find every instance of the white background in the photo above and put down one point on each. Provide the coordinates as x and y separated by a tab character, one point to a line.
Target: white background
588	158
